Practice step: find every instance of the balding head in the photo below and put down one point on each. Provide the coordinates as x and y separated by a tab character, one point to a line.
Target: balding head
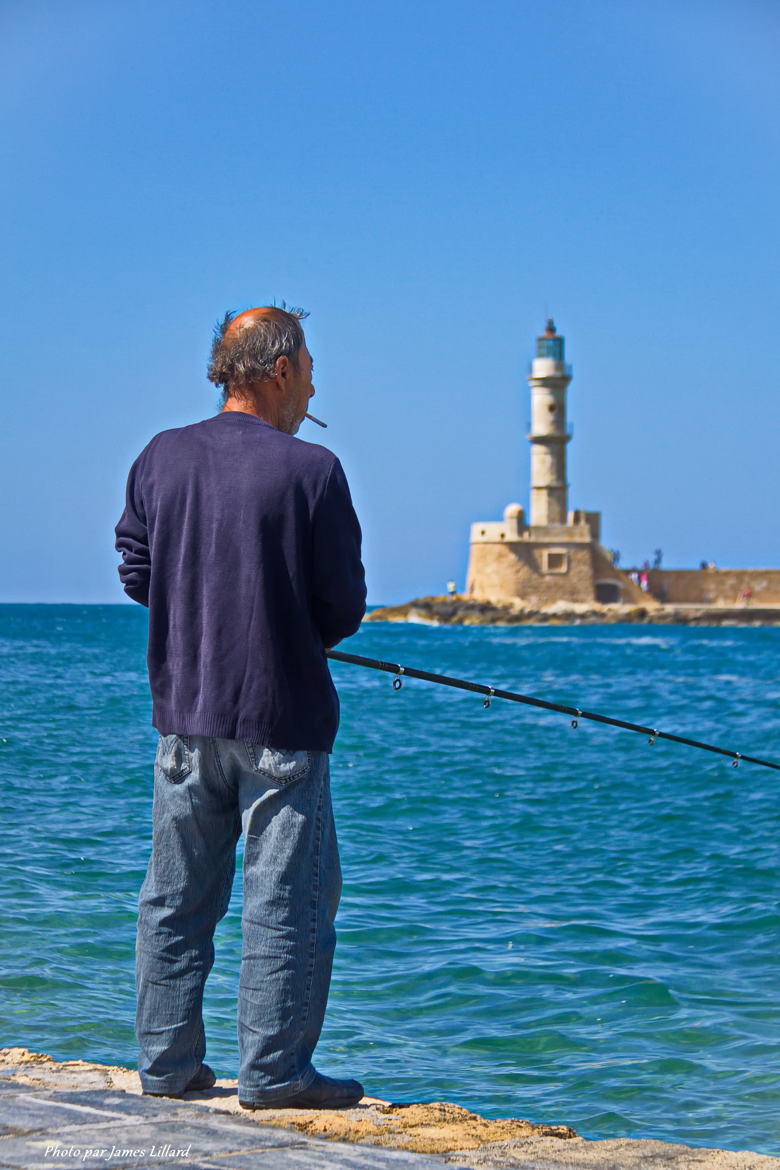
248	318
247	346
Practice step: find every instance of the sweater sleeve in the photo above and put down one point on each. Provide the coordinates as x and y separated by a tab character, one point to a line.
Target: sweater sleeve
339	586
132	541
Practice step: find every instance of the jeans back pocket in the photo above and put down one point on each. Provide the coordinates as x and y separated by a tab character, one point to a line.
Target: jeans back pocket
278	765
173	757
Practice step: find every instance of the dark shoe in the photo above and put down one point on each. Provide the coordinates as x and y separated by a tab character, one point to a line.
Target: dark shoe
323	1093
205	1078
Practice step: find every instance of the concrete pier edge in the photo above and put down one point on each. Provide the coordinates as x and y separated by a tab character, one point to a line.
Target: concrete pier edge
49	1109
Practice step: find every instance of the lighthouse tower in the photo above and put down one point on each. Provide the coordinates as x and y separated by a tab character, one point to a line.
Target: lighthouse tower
557	556
549	435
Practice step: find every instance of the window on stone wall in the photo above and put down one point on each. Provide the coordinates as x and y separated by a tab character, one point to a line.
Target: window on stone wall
556	561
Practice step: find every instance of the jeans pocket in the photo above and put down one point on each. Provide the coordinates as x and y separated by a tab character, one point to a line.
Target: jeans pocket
173	757
278	765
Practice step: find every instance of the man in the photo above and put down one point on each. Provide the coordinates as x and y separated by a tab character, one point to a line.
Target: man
243	542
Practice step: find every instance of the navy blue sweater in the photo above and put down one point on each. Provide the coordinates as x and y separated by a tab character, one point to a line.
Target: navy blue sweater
244	544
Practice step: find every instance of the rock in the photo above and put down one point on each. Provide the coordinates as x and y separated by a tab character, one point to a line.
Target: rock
469	611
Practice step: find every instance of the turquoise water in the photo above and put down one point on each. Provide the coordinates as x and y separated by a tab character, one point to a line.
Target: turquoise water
566	925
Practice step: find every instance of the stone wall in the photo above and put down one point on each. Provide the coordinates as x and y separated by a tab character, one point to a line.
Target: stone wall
502	569
518	570
604	571
509	570
715	586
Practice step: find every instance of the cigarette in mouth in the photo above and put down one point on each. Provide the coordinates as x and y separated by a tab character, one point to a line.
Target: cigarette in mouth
318	421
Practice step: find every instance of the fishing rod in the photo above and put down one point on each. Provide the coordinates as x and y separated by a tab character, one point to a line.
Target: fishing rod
491	693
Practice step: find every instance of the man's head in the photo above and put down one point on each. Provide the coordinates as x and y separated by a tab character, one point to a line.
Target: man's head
262	354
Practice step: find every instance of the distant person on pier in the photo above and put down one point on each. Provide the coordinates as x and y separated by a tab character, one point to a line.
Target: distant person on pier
243	543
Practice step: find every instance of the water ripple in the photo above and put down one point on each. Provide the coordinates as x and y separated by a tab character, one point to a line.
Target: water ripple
538	921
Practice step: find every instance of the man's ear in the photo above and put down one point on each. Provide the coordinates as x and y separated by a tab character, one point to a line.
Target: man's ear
282	368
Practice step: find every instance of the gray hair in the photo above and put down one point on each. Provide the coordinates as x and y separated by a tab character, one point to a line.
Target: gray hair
249	354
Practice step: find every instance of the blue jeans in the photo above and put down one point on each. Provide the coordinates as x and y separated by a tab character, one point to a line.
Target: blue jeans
206	791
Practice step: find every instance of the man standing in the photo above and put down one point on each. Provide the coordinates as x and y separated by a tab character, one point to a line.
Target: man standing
243	543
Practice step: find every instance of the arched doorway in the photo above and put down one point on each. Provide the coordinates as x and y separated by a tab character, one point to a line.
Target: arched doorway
607	592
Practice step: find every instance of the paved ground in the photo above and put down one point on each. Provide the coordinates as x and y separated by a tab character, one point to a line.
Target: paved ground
74	1113
94	1128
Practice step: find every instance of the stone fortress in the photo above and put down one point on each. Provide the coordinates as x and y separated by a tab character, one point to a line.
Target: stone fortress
556	556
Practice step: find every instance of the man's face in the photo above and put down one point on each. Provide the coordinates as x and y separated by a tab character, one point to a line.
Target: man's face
300	390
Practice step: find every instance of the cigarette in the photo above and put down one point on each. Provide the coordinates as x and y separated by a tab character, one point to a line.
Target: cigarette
317	420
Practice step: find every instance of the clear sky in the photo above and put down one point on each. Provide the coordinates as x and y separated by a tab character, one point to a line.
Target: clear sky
430	179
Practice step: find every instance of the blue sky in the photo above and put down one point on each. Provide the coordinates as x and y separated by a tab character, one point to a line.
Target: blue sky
430	180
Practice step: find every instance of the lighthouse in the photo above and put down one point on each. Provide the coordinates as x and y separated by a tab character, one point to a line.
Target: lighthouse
555	555
549	379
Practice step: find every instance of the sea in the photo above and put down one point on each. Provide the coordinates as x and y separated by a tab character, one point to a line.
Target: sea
566	924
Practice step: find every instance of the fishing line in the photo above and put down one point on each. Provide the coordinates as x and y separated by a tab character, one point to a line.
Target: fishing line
491	693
